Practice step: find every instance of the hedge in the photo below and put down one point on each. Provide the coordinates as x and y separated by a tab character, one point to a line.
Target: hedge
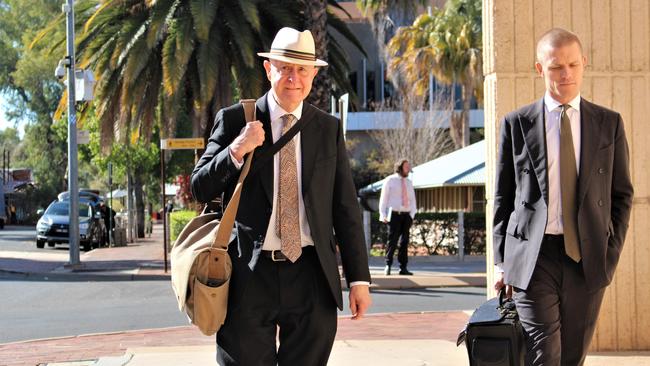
177	221
437	233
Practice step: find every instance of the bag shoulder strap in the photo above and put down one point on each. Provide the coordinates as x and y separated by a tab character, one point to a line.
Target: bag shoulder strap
222	238
278	145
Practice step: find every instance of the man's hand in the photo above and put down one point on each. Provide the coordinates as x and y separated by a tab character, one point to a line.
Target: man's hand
385	221
359	301
498	284
251	136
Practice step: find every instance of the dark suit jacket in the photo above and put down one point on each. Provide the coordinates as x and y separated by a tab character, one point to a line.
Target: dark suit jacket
521	199
327	188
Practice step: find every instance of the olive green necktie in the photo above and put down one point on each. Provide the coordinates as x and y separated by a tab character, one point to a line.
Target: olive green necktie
288	224
569	184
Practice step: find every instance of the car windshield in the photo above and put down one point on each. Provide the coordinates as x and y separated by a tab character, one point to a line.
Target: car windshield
63	209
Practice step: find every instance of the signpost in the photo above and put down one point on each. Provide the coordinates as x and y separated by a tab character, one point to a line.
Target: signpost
173	144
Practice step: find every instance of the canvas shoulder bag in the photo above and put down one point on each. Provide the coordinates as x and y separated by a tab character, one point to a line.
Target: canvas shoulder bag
201	266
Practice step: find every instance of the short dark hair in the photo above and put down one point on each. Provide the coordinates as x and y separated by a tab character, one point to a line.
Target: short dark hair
555	38
399	164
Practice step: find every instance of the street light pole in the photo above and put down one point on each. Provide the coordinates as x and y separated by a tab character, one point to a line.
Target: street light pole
73	189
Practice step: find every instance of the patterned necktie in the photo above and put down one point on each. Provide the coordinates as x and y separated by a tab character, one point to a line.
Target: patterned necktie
569	183
405	196
287	220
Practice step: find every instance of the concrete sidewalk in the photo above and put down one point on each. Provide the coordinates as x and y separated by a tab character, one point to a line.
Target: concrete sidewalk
412	339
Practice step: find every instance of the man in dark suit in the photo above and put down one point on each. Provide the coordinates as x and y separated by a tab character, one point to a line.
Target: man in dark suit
561	207
294	210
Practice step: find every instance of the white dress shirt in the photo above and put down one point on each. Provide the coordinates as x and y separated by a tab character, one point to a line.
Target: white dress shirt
271	240
553	109
391	197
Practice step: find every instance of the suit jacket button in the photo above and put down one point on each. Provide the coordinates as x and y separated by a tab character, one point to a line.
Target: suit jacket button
600	202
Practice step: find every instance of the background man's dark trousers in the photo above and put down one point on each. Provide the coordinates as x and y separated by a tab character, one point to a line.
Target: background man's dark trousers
398	228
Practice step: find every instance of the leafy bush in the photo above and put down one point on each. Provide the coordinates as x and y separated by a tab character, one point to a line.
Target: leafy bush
177	221
436	234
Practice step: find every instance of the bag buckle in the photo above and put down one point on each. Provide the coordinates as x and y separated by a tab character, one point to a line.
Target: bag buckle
282	258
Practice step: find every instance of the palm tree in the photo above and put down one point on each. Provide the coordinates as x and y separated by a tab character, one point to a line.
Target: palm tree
320	20
447	43
385	16
153	57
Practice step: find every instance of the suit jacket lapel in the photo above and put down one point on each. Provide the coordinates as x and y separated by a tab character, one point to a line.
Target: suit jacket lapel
308	145
265	172
534	132
590	126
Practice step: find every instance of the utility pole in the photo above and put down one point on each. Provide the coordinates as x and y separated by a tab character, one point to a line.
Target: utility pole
73	189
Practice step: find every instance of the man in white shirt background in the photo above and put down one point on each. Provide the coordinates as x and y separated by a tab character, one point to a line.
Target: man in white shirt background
397	209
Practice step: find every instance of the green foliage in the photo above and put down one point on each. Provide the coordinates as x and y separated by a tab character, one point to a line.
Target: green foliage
9	140
153	59
178	220
447	43
26	75
27	83
437	233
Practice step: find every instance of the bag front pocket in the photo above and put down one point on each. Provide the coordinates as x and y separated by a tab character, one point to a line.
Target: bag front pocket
210	305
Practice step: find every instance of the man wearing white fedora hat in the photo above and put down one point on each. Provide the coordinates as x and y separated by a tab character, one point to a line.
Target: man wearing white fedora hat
295	209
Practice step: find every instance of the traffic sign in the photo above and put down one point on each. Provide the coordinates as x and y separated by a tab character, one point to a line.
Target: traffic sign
182	144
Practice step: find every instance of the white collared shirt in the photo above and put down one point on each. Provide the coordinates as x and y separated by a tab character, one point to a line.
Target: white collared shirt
552	112
271	240
391	197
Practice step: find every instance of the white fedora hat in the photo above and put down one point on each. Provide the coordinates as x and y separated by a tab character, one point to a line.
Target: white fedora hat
294	47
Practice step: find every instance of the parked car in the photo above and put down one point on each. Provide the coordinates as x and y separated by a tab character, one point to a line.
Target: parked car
93	199
53	226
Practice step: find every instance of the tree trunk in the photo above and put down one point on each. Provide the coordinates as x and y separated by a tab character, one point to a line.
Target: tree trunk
139	203
222	98
129	207
316	22
456	121
467	99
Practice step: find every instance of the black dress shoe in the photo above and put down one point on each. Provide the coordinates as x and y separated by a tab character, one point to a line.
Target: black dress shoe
405	272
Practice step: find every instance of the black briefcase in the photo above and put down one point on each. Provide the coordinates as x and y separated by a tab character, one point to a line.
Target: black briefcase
494	336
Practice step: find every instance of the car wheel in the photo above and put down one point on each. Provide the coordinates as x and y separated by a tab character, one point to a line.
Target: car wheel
86	246
40	244
50	244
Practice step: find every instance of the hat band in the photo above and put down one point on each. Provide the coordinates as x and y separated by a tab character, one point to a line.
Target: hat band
293	54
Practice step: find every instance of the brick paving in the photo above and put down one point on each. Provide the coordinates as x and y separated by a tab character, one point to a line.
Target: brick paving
442	325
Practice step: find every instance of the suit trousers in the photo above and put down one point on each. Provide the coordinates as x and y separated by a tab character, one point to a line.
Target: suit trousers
398	228
286	302
556	310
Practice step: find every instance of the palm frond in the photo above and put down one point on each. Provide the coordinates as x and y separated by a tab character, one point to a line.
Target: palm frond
251	14
203	13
